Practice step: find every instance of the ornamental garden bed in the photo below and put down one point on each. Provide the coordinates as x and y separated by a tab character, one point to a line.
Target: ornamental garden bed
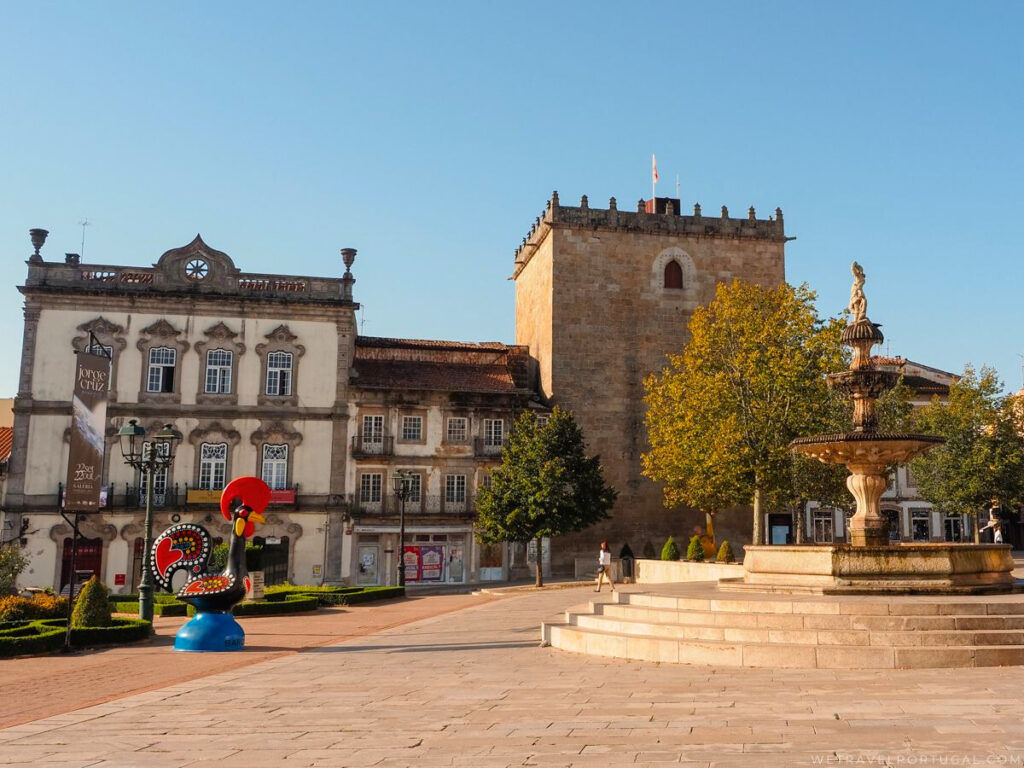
47	635
331	596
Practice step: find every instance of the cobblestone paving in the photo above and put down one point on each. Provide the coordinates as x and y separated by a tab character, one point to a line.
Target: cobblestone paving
474	689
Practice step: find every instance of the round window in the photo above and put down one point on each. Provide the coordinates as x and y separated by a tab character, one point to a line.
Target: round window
197	269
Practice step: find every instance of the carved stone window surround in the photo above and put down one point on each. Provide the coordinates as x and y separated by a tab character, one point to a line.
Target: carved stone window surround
107	334
161	334
281	339
213	432
688	268
276	433
219	336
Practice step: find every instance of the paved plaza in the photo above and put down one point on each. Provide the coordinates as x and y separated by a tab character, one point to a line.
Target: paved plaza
474	688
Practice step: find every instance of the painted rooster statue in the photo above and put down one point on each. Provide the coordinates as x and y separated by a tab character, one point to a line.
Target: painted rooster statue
187	546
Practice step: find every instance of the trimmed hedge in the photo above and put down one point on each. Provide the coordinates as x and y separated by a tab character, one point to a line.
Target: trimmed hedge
47	635
176	608
290	604
328	596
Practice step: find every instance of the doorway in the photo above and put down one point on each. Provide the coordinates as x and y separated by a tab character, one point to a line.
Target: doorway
369	565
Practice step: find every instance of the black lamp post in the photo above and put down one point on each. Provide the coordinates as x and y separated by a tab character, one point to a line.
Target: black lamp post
148	454
402	482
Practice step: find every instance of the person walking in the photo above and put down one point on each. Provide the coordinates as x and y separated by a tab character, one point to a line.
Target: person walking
604	560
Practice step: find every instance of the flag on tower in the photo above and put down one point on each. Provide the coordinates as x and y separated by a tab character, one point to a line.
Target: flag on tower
654	169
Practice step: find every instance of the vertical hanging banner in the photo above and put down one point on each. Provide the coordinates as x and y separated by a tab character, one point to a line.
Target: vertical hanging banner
88	431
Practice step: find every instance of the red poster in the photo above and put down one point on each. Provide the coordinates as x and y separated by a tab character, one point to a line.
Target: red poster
411	561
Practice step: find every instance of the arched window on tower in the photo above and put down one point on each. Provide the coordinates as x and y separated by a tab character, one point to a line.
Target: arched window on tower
673	275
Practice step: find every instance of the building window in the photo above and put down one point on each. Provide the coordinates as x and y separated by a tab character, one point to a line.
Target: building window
159	477
954	528
457	430
218	372
673	275
373	430
213	465
494	432
275	466
485	481
412	428
893	516
542	421
920	524
279	373
824	526
161	369
369	488
455	489
107	351
414	482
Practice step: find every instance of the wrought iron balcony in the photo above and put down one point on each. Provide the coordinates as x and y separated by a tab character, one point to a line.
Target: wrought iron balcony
391	506
364	446
135	496
488	448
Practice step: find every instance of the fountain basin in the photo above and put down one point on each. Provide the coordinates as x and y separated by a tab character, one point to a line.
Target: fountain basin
917	568
868	448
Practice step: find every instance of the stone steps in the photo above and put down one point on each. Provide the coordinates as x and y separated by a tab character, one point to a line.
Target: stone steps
799	632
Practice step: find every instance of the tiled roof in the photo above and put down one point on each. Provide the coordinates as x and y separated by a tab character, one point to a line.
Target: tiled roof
6	441
386	343
923	386
440	366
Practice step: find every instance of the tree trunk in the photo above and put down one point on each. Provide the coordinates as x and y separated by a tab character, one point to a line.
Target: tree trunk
540	563
798	520
758	537
975	530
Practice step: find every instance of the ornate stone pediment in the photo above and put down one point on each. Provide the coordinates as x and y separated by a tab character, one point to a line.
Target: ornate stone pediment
282	335
161	329
276	432
197	265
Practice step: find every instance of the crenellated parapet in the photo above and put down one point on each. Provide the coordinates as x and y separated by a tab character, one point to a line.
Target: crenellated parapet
657	216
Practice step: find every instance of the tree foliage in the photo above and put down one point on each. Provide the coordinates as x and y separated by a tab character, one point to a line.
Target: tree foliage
695	550
546	484
751	379
983	456
12	563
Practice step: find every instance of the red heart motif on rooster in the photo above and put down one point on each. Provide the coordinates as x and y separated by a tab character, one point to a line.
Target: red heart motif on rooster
166	556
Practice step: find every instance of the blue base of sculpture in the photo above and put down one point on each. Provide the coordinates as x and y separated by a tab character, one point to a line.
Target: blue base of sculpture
210	632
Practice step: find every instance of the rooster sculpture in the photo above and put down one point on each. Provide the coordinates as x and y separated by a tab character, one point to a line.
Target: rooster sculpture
187	547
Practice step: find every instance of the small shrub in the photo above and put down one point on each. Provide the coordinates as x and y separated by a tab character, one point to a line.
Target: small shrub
218	559
725	554
12	562
671	550
92	608
695	550
648	550
41	606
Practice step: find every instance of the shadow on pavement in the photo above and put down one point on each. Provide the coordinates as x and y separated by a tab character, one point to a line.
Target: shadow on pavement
418	648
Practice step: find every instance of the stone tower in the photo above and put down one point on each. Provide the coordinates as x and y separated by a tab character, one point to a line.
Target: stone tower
602	295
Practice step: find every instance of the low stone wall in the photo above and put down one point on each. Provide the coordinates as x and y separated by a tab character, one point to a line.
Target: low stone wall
673	571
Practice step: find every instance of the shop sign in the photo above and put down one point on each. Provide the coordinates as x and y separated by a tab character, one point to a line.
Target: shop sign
283	496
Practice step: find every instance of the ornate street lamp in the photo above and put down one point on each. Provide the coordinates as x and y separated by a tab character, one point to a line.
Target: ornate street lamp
402	482
148	454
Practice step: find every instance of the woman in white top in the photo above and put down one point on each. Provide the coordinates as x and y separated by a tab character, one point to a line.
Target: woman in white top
604	559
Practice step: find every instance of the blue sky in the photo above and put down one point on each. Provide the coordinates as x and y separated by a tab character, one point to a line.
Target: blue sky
429	135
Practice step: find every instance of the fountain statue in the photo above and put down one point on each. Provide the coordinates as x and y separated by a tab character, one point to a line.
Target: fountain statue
870	561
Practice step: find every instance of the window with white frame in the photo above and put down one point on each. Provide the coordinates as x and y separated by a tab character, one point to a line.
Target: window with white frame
162	361
542	421
373	429
494	432
369	487
824	525
454	489
275	466
279	373
414	482
457	429
159	476
213	465
218	372
412	428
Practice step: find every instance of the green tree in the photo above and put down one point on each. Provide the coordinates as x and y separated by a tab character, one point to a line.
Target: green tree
546	485
92	606
12	563
695	550
983	456
751	379
671	550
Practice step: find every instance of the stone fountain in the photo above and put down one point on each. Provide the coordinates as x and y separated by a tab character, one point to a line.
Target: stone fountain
870	562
